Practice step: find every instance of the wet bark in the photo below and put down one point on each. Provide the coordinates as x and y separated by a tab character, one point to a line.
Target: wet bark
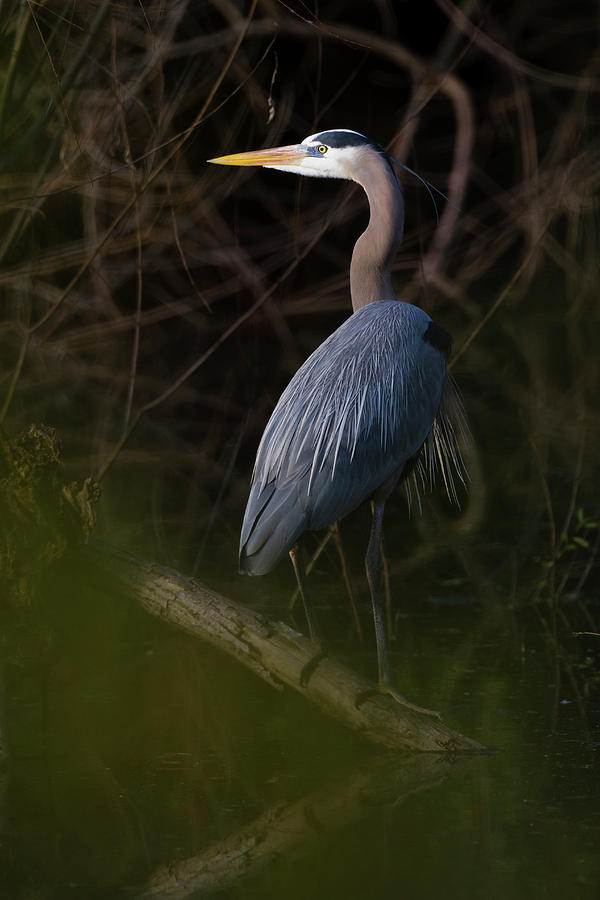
274	652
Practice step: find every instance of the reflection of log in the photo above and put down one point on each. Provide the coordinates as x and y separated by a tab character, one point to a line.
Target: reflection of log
275	652
283	831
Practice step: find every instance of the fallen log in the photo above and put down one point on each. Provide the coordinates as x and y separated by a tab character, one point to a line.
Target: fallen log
275	652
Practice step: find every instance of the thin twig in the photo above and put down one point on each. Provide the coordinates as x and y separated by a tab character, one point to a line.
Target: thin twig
123	214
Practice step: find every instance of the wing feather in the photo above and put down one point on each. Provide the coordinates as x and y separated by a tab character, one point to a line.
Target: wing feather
355	412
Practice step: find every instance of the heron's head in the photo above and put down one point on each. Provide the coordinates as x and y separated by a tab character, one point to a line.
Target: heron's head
328	154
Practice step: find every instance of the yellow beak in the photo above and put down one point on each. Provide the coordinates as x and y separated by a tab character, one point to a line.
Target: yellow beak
275	156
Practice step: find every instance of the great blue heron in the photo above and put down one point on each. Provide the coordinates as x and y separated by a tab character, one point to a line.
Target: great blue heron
370	404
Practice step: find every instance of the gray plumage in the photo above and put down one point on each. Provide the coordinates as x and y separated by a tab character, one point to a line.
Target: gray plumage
370	407
359	408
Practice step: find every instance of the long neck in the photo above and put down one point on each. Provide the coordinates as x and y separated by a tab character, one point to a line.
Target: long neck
376	248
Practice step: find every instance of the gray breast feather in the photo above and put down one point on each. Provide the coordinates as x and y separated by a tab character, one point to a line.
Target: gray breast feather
359	407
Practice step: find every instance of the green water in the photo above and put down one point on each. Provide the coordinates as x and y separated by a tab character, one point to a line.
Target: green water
135	747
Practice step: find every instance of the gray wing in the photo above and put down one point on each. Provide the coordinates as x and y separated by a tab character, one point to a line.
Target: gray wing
352	416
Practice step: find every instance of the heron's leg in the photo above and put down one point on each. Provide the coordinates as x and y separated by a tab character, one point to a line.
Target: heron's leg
340	549
313	625
373	567
311	618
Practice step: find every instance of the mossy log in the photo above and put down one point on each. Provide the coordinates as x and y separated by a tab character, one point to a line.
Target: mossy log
274	652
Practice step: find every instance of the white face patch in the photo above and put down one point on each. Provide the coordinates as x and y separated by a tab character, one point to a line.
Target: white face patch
336	159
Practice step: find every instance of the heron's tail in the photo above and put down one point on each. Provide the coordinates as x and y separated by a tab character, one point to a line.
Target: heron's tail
273	523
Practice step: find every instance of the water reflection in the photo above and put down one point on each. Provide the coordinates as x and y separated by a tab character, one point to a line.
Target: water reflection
139	757
296	830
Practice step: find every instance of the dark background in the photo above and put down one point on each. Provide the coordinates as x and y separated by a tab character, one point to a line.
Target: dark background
163	304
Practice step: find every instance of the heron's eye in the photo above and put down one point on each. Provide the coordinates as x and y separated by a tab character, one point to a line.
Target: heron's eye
322	148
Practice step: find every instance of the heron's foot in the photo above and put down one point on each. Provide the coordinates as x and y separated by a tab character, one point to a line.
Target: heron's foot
311	665
386	689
